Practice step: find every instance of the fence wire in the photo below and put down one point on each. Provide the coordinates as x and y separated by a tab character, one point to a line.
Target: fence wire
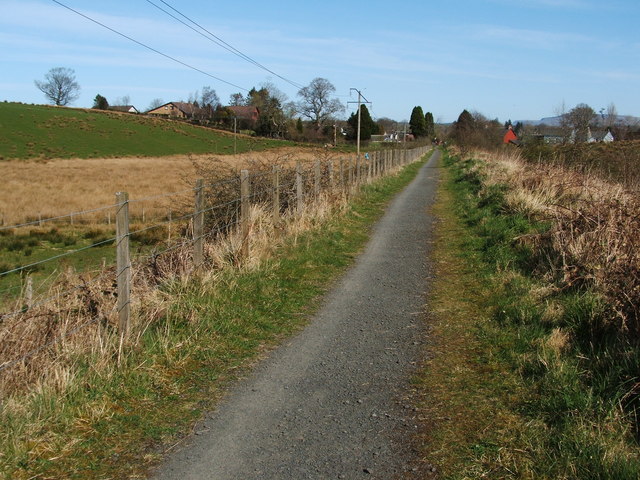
344	173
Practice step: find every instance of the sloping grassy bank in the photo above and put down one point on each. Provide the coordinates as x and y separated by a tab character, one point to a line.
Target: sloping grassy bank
528	376
42	132
115	422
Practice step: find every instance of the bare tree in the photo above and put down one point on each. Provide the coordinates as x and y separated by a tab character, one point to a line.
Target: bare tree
611	116
59	86
563	121
155	103
122	101
275	92
209	98
580	117
236	99
317	104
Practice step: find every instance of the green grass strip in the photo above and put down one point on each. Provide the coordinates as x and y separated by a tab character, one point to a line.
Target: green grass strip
116	423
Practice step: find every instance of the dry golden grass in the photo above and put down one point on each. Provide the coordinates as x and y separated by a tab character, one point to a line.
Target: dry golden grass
83	320
48	189
594	227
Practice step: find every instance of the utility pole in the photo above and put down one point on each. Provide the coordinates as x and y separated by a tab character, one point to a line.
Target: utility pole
359	102
235	135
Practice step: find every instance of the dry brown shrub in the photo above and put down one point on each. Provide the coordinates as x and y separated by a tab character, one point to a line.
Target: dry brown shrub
617	161
594	234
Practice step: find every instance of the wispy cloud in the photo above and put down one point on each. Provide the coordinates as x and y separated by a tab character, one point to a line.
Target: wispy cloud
531	38
560	4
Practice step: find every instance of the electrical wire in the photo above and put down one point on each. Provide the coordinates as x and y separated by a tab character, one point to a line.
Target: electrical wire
148	47
219	41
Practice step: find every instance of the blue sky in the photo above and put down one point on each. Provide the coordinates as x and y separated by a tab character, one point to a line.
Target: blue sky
507	59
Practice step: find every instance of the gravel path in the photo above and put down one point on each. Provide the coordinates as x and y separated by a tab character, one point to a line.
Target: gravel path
329	403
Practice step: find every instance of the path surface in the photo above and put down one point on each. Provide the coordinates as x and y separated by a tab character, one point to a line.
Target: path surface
329	403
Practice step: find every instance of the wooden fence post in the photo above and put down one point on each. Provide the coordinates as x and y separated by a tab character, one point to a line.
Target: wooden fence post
244	211
276	194
342	173
198	224
28	296
316	178
299	195
332	183
123	263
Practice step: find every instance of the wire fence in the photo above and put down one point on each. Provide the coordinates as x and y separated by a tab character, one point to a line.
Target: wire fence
35	320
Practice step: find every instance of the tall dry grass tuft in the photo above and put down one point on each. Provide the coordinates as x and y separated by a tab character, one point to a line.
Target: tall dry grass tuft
594	228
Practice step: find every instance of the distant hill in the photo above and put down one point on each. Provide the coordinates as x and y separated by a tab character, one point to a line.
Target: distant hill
555	121
43	132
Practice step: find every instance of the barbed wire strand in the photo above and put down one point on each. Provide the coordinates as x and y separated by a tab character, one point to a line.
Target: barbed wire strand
59	217
161	195
45	300
55	257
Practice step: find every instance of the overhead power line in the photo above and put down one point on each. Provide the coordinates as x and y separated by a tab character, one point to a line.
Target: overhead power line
148	47
217	40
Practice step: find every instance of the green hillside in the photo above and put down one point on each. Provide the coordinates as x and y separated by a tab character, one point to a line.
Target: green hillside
40	131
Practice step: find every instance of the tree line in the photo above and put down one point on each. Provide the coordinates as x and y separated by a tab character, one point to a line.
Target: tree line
313	116
576	125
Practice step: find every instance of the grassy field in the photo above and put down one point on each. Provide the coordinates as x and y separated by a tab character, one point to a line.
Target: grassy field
45	132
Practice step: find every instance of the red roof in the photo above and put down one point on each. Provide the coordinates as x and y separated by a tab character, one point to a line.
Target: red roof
510	136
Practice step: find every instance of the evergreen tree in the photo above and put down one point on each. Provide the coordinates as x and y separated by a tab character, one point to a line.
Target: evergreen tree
100	103
463	128
271	121
518	128
367	126
430	125
418	122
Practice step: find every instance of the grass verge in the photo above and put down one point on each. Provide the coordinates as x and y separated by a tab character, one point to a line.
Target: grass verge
520	382
116	423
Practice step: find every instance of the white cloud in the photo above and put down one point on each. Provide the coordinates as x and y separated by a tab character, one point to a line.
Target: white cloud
561	4
531	38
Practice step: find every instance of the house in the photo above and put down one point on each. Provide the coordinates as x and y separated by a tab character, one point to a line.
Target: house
552	138
608	138
247	113
510	136
124	108
599	136
176	109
